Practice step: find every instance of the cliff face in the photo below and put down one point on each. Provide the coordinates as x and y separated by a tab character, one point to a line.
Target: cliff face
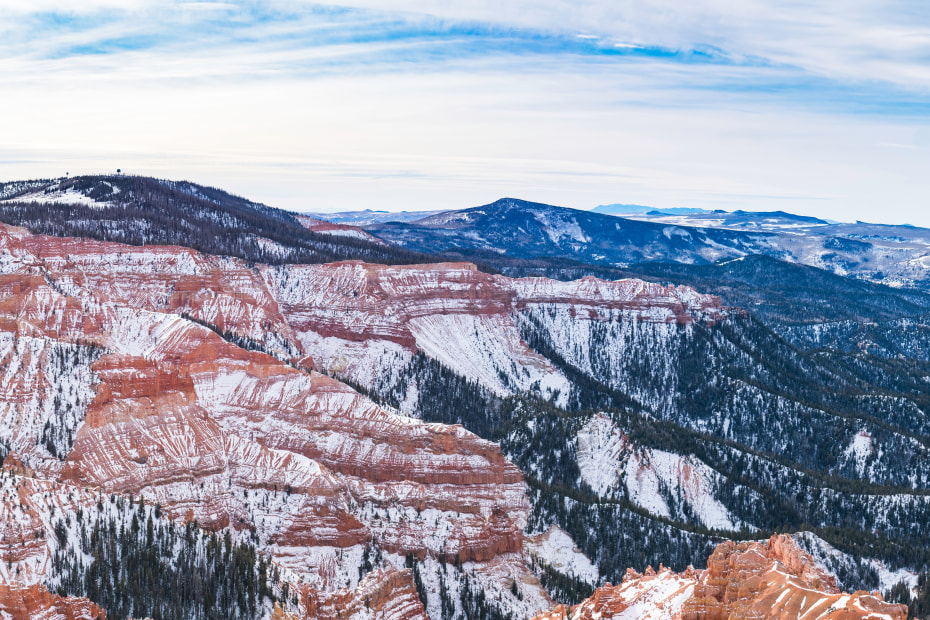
775	580
365	321
191	381
382	594
165	374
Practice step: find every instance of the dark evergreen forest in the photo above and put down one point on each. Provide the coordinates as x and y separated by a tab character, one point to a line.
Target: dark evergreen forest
144	565
145	211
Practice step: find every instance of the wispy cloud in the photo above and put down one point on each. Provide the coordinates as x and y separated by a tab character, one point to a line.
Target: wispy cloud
824	56
590	101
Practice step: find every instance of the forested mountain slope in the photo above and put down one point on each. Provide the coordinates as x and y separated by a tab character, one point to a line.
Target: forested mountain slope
146	211
516	230
312	411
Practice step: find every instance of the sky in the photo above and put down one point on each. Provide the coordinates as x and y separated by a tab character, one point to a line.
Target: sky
820	108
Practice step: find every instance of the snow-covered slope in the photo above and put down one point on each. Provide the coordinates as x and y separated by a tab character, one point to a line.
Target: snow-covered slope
517	229
666	484
556	549
847	568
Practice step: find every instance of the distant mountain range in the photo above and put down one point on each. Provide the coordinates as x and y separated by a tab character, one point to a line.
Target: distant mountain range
368	217
471	414
622	209
509	228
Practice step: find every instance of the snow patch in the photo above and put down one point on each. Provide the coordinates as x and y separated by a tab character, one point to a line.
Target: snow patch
607	458
557	549
601	450
860	449
557	228
67	197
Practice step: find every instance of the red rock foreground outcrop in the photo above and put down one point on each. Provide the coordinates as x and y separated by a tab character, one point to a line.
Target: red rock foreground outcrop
749	580
19	602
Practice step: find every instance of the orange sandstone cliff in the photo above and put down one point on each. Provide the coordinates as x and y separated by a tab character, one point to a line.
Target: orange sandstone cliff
764	581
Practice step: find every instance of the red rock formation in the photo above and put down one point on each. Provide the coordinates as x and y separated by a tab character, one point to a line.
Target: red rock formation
14	464
384	594
363	321
771	580
19	602
179	414
357	301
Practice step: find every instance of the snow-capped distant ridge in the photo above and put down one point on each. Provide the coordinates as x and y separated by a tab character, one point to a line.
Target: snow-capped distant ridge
146	211
630	209
512	228
369	217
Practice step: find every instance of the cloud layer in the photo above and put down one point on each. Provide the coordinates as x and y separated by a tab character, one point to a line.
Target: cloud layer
445	104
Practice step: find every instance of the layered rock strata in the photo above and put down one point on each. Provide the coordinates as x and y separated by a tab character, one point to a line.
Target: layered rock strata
174	376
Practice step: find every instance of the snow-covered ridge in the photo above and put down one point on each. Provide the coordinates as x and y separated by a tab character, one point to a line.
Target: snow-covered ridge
68	196
611	464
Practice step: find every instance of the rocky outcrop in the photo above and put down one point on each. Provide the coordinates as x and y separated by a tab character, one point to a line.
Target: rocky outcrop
19	602
188	380
184	386
14	464
364	321
770	580
385	594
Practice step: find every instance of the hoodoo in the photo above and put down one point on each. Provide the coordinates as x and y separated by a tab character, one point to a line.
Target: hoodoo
773	580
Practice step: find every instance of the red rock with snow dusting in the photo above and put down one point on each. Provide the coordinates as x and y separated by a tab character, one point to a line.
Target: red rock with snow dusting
771	580
384	593
169	409
151	357
19	602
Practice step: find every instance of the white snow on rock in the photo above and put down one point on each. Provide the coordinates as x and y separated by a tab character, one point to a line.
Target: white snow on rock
832	559
860	449
692	480
601	450
643	484
557	549
607	458
362	362
659	597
